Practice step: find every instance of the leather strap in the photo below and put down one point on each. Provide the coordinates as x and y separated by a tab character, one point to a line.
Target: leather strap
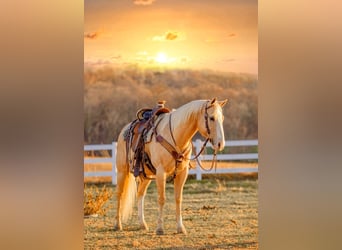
171	149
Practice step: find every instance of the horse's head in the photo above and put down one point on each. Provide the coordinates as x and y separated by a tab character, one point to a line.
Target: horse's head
210	123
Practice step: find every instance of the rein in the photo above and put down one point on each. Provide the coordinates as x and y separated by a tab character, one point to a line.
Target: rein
214	160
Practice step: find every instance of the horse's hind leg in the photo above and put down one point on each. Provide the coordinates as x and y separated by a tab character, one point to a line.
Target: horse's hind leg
119	190
178	188
142	187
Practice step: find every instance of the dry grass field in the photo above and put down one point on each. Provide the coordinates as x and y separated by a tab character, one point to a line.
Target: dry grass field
219	212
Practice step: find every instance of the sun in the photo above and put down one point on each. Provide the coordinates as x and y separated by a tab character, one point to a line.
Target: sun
161	57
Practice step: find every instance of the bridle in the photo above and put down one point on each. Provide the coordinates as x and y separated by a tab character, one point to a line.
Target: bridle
206	116
214	160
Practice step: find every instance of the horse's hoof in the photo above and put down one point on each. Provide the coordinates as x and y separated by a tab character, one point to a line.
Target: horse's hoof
181	230
160	231
144	227
117	228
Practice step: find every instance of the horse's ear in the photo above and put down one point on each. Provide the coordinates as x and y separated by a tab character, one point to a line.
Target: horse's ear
222	103
213	101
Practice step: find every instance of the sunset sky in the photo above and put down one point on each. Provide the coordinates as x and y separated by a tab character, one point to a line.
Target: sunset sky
220	34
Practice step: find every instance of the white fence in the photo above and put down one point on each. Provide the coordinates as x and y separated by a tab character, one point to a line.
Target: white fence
94	160
197	170
226	157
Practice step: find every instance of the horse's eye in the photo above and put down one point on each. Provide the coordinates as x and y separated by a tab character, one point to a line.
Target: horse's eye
212	118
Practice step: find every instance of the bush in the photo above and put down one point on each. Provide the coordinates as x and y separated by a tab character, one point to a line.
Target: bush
95	200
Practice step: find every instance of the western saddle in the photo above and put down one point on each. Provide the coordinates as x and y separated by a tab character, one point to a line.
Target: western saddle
136	138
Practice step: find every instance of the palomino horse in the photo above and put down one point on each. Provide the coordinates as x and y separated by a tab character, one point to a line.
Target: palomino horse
177	129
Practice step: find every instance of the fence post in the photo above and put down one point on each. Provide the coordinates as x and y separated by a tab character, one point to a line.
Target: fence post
114	163
198	145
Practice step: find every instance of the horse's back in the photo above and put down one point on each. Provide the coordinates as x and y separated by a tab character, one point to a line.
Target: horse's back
122	132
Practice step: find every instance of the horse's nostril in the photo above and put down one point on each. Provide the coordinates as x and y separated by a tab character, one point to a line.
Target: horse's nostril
219	144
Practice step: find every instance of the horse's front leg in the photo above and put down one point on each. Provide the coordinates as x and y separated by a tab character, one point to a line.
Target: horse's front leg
160	181
178	187
143	185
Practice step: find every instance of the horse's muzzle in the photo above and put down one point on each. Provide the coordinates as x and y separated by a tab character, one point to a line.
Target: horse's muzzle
219	146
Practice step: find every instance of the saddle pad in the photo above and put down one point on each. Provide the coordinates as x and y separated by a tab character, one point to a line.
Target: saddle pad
148	136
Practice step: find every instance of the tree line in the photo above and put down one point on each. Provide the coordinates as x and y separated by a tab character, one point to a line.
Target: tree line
113	95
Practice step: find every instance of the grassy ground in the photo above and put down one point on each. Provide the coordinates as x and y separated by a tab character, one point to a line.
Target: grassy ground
219	212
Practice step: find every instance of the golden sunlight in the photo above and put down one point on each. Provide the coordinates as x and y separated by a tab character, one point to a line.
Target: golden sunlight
119	33
161	57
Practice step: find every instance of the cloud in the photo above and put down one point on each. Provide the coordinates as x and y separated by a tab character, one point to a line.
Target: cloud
98	62
108	61
169	36
117	57
143	2
184	59
91	36
220	39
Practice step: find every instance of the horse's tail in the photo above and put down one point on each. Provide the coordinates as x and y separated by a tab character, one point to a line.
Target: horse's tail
128	197
126	185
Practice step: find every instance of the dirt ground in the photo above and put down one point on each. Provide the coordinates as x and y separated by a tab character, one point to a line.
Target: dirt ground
219	212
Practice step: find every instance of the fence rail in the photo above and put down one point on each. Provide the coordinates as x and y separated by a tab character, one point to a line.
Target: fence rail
112	160
197	170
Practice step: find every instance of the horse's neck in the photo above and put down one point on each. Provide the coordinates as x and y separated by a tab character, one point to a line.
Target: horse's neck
183	129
